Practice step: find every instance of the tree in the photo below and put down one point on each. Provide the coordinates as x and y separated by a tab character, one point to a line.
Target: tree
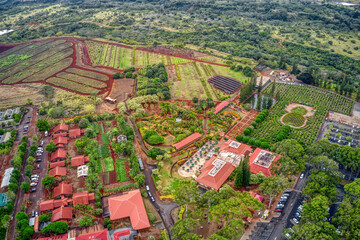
59	227
43	125
89	132
48	182
187	193
139	179
57	112
195	100
21	215
84	123
27	232
316	210
31	160
45	217
86	221
310	231
51	147
239	177
25	187
273	185
5	221
116	75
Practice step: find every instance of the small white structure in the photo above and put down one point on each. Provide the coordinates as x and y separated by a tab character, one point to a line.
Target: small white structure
82	171
6	179
4	138
121	138
111	100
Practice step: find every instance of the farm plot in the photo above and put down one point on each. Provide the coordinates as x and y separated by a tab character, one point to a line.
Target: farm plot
142	59
42	53
293	119
320	99
82	80
94	50
227	72
90	74
192	83
44	68
120	170
71	86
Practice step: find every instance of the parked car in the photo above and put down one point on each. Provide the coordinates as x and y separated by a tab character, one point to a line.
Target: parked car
149	193
38	166
36	214
41	144
35	175
33	184
152	199
33	214
28	121
302	176
33	190
147	187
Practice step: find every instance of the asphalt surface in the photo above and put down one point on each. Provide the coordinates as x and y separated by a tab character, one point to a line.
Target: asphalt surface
293	201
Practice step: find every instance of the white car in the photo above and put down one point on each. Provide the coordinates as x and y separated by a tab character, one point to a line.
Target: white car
33	184
147	187
35	176
302	176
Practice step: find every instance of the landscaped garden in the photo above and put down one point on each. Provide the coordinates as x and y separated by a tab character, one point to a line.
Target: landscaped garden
320	99
294	119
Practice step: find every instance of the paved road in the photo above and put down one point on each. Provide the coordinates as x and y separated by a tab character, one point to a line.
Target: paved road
20	194
284	219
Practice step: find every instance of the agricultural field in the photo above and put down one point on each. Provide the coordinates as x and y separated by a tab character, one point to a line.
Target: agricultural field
293	119
320	99
72	86
120	170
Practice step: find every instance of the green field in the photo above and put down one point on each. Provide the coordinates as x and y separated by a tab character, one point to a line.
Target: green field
293	119
109	164
120	170
320	99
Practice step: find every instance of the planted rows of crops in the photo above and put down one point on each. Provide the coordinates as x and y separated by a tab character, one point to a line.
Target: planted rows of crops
40	58
84	73
293	119
321	100
73	86
82	80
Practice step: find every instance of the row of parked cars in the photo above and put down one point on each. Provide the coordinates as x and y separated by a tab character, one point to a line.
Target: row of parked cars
149	193
281	204
297	215
34	182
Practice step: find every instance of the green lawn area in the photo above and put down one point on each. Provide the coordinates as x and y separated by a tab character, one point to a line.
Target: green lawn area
225	71
169	140
120	170
109	164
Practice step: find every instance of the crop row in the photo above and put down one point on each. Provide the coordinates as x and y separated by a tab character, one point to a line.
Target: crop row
120	171
89	74
33	50
13	50
49	71
42	66
15	69
82	80
94	50
71	85
294	119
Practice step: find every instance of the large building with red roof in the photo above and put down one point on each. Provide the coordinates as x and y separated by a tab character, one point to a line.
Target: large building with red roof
221	106
57	164
234	152
214	173
62	127
57	135
62	214
58	237
63	189
52	204
58	155
260	161
57	172
130	204
60	142
102	235
83	198
79	160
186	141
74	133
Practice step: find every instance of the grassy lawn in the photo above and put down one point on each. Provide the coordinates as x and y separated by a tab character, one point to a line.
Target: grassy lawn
225	71
109	164
120	170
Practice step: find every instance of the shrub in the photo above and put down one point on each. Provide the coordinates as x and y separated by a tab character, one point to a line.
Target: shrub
239	138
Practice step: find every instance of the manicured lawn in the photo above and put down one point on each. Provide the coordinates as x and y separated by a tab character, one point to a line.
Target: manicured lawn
109	164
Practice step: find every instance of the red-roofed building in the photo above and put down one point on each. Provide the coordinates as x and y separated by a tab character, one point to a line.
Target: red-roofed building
214	173
58	237
58	155
221	106
260	161
102	235
235	147
83	198
129	205
62	127
57	164
60	142
79	160
186	141
74	133
57	172
62	214
118	235
63	189
52	204
64	134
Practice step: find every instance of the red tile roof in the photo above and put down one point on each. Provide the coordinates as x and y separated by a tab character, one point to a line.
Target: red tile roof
220	106
57	164
61	140
52	204
117	235
61	213
58	237
187	140
75	132
129	205
214	173
56	135
94	236
63	189
79	160
256	168
243	149
59	153
83	198
58	171
62	127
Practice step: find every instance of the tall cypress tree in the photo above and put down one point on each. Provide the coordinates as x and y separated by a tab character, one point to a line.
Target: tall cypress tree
246	171
239	180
